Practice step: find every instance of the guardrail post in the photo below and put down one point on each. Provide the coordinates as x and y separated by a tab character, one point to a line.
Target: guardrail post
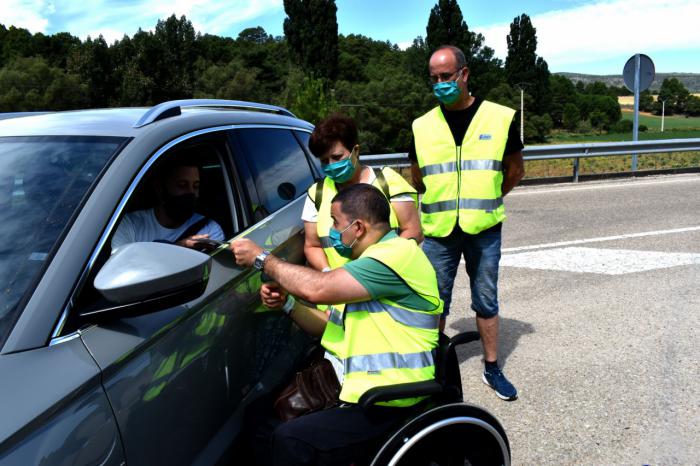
576	167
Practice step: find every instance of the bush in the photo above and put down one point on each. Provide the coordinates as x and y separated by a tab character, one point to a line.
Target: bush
622	126
643	128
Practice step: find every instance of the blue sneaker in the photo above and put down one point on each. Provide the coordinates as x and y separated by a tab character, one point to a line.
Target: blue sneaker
495	379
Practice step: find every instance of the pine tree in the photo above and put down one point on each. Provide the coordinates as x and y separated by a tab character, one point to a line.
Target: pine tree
523	67
311	29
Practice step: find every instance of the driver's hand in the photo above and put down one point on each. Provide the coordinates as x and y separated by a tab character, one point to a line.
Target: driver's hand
191	241
272	295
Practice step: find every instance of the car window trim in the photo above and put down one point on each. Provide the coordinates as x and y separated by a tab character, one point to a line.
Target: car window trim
87	270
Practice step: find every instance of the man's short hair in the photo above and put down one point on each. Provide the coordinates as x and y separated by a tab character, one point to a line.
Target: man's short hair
365	202
457	52
183	158
334	128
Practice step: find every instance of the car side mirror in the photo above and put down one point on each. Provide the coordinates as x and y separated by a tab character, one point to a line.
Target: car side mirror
140	278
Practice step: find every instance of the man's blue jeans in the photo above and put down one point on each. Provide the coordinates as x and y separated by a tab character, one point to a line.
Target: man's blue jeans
481	252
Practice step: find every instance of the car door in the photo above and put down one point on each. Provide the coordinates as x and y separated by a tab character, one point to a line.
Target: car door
178	379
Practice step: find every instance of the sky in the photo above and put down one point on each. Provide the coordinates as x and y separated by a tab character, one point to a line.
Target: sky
592	37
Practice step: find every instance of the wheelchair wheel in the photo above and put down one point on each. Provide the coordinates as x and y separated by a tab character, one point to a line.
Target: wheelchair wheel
457	434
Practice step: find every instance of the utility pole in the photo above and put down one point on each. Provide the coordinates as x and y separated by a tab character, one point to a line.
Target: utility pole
663	112
522	116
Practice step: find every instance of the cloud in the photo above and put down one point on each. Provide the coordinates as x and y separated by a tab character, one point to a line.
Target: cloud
608	29
28	14
113	18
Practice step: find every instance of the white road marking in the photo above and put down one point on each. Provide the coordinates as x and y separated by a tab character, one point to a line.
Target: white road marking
600	261
628	184
601	239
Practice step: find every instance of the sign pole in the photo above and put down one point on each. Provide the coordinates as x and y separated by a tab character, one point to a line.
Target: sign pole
635	128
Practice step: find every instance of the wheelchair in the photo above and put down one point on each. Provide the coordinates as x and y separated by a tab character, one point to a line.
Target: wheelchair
449	432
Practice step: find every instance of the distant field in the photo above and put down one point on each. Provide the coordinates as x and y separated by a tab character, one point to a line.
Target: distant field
628	100
653	122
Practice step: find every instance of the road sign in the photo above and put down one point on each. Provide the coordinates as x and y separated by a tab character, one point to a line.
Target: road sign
638	75
646	72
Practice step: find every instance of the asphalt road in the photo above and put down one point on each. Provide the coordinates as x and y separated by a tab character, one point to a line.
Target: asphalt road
600	319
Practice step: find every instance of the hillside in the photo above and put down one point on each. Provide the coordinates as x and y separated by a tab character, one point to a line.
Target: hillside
690	80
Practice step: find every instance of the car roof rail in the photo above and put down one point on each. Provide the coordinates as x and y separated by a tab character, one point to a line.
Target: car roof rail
173	108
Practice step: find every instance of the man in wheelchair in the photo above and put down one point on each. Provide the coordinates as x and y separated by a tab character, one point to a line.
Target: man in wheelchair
380	334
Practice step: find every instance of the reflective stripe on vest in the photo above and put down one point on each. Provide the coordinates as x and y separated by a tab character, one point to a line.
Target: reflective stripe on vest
378	362
439	168
488	205
404	316
336	316
463	183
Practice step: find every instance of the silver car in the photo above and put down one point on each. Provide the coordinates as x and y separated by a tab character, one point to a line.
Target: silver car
148	354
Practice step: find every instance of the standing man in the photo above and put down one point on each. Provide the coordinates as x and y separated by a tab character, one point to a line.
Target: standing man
466	158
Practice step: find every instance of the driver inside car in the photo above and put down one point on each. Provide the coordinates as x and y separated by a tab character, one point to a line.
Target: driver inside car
173	219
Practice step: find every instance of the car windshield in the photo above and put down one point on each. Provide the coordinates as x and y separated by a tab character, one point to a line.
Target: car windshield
42	182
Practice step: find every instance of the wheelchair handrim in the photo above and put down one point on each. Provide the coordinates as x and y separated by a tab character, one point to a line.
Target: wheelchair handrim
448	422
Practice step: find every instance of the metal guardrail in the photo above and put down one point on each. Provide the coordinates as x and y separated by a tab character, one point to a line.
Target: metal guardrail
568	151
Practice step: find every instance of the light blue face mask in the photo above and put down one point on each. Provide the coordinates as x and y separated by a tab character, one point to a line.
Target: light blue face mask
342	170
447	92
337	241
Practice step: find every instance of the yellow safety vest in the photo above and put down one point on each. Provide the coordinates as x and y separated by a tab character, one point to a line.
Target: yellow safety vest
387	181
380	342
462	183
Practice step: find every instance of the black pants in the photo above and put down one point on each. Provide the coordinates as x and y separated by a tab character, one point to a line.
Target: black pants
340	436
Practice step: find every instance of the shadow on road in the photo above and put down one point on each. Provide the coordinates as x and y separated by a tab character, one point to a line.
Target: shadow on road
510	332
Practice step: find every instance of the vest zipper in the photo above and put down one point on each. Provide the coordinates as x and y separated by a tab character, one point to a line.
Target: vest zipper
458	153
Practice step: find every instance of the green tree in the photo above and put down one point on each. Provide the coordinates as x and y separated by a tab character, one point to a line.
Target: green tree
92	62
675	94
173	71
537	128
29	83
311	29
523	66
692	106
646	101
309	98
571	117
598	120
563	92
232	81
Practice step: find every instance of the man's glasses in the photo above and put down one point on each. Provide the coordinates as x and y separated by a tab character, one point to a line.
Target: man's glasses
442	77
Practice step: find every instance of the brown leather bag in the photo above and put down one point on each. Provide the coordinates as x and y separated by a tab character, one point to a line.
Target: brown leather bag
313	389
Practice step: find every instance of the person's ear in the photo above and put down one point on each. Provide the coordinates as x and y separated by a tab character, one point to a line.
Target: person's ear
360	228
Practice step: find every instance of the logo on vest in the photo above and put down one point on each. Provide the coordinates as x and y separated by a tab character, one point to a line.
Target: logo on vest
484	137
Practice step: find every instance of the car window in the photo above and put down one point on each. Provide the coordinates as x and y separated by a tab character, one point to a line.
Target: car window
184	195
42	182
278	164
185	198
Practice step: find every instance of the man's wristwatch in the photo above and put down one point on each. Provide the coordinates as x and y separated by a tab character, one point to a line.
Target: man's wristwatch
289	303
259	262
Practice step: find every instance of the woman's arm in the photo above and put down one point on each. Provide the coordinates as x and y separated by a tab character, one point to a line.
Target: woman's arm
315	255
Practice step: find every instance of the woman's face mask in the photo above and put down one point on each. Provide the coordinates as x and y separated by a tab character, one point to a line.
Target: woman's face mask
343	170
